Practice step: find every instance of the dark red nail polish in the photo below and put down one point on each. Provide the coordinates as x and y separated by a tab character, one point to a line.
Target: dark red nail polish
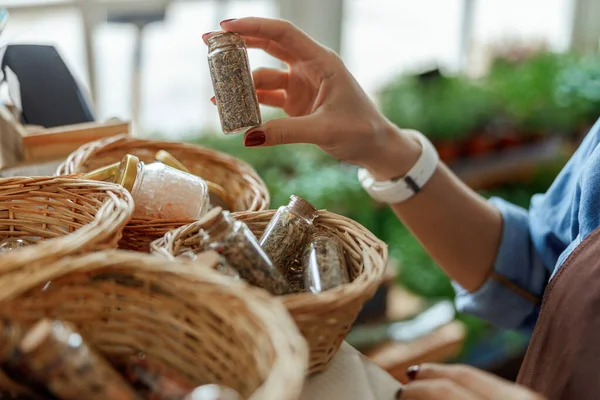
398	394
208	33
228	20
254	139
213	100
411	372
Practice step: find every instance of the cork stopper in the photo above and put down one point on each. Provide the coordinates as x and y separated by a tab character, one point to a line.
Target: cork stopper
106	173
127	173
215	221
168	159
225	39
303	208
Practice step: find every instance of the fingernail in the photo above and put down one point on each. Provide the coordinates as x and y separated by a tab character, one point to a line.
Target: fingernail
207	33
398	394
213	100
254	139
228	20
411	372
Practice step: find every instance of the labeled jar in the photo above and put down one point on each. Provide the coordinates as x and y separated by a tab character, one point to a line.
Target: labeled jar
286	235
217	194
57	355
324	263
238	245
213	392
162	192
235	93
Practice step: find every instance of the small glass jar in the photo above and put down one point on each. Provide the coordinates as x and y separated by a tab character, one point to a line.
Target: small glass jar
236	243
286	235
162	192
213	392
324	264
233	84
58	356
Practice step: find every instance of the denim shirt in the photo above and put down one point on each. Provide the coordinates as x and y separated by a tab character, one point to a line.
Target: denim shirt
536	242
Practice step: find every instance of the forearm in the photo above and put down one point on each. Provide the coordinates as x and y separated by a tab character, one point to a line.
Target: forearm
458	228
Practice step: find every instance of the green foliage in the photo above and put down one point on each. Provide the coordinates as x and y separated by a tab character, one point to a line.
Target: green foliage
547	93
528	92
444	108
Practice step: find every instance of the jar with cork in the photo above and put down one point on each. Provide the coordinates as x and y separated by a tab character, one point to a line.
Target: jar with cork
233	84
286	235
238	245
163	192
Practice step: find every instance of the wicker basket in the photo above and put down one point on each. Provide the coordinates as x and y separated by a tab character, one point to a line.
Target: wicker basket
324	319
77	215
209	328
246	189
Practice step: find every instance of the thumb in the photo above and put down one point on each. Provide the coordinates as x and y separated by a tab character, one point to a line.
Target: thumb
284	131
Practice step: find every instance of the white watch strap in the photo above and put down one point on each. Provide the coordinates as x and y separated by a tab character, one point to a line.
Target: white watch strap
403	188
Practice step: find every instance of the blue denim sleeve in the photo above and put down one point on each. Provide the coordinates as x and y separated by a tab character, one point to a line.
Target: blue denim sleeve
516	260
535	243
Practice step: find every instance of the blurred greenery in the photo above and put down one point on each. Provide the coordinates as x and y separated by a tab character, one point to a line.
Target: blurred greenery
546	93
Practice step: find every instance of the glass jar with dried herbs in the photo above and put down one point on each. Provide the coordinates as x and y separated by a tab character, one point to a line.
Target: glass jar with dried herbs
58	356
162	192
324	263
238	245
235	93
286	235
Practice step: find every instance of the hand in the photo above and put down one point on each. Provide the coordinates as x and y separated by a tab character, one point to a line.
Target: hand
326	105
459	382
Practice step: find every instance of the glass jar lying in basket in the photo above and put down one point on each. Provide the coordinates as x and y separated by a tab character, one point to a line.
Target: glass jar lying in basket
324	318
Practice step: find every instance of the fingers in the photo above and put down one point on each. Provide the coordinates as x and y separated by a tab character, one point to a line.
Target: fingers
284	131
269	47
482	383
270	79
283	33
274	98
435	390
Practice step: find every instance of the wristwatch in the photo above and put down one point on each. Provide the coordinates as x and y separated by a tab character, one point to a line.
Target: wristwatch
403	188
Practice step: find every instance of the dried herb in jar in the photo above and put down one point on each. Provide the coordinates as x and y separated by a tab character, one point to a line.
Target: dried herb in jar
236	243
57	355
286	235
12	362
154	380
213	392
235	94
324	264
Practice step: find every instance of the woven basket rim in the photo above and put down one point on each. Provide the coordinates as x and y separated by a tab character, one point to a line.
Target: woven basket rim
291	349
110	219
361	288
88	150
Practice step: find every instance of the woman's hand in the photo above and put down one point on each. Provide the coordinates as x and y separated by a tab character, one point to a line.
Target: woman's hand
459	382
326	105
